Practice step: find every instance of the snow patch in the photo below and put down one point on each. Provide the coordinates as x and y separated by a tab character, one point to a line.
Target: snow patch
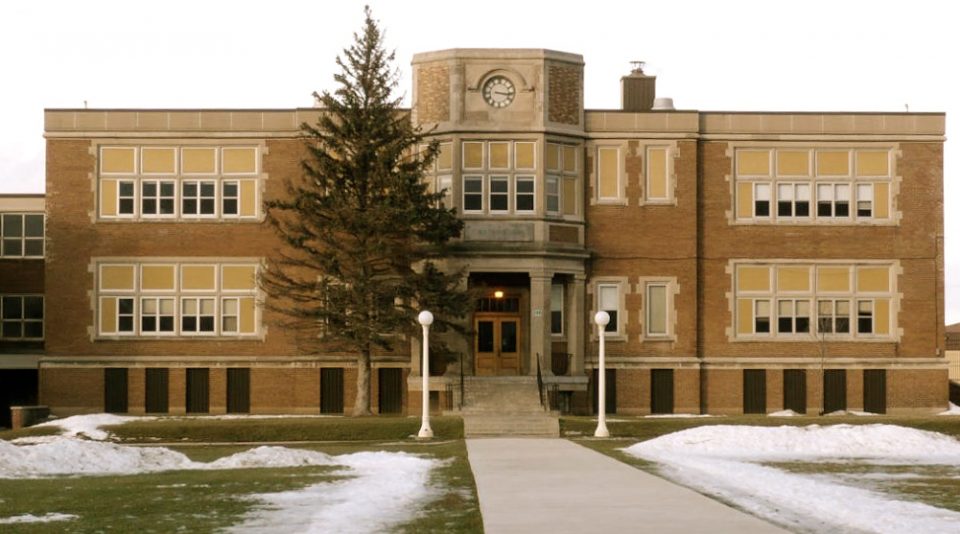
386	489
30	518
810	443
89	425
783	413
677	415
71	456
952	410
719	460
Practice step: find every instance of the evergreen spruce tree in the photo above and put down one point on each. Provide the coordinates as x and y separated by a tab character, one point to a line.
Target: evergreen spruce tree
360	224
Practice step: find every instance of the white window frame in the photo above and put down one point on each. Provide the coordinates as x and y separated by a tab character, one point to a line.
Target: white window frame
134	199
619	198
475	178
199	198
757	188
648	310
532	180
868	197
158	198
197	300
156	299
224	198
506	194
617	321
557	181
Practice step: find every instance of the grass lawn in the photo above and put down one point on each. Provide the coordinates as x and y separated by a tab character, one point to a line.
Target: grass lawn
207	501
936	485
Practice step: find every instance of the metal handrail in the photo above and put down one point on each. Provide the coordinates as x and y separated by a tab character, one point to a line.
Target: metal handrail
540	382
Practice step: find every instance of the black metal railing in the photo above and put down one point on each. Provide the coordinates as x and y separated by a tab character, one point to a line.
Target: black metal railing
540	383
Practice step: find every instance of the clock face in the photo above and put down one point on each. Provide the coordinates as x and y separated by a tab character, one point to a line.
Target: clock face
499	92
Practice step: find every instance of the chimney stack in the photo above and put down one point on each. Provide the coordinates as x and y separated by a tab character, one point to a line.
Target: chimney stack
637	90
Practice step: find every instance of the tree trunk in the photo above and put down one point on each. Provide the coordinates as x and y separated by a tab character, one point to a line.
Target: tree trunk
362	405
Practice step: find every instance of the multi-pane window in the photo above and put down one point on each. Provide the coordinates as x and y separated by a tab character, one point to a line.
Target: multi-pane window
814	185
608	300
499	194
151	182
197	316
199	198
473	193
864	200
157	315
230	198
793	200
157	198
833	200
21	317
497	176
800	301
761	200
761	316
553	194
171	298
524	195
21	235
562	175
793	316
865	316
833	316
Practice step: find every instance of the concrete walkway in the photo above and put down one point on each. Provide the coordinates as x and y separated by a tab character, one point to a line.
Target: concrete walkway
533	485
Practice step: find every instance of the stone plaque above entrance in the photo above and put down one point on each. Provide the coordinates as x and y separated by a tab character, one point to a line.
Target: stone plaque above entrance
498	231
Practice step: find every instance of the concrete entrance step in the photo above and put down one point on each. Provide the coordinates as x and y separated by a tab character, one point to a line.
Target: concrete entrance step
487	425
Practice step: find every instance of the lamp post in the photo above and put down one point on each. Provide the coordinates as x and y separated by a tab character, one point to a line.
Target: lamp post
602	318
425	319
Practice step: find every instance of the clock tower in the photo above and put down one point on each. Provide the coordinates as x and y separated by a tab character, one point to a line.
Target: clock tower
510	126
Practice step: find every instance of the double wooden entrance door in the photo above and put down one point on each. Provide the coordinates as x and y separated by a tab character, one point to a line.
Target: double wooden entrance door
497	344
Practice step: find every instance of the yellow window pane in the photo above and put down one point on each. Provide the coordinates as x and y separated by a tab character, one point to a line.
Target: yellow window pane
157	277
882	320
793	162
118	160
569	159
744	200
499	155
833	163
239	160
553	157
473	155
525	155
239	277
158	160
836	279
196	277
116	277
753	162
248	316
248	198
657	173
753	278
873	163
108	315
608	172
108	198
445	157
199	160
873	279
881	201
744	316
793	278
569	196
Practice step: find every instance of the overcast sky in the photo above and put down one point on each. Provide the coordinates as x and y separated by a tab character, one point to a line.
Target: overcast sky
741	56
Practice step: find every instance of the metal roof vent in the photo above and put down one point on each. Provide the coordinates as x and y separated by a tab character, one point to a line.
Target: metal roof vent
663	104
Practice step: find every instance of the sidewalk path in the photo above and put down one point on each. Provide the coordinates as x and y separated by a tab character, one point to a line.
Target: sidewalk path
534	485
